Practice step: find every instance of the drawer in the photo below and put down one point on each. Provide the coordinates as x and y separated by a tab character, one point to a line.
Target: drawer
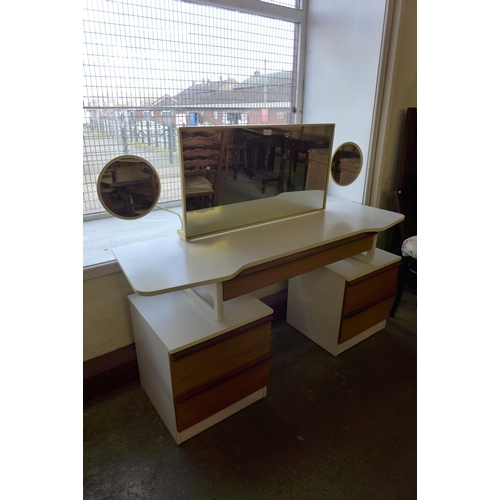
354	324
206	403
215	357
366	290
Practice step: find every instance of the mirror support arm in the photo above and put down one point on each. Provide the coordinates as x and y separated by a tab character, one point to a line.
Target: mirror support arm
368	256
209	297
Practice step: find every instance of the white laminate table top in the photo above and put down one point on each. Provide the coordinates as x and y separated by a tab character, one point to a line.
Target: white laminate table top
188	324
169	263
352	268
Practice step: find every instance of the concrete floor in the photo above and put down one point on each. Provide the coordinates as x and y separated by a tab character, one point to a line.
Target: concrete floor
330	428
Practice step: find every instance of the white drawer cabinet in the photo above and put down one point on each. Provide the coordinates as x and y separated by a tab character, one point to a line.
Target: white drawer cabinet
340	305
197	371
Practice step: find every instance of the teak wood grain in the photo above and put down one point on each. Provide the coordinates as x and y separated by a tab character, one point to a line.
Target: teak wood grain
357	323
202	365
367	289
220	396
262	275
209	384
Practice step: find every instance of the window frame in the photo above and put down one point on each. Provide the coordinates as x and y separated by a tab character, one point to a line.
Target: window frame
293	15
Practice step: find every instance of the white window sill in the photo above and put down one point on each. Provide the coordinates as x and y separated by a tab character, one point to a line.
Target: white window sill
101	235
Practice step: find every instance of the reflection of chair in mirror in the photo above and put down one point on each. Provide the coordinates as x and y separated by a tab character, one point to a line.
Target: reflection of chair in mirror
202	160
261	146
234	149
128	188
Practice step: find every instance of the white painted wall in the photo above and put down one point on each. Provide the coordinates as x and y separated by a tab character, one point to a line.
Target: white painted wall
107	324
342	63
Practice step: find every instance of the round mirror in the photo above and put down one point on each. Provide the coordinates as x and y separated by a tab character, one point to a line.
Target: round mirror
128	187
346	164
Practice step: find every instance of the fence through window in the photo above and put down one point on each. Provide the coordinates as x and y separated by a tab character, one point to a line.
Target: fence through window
151	66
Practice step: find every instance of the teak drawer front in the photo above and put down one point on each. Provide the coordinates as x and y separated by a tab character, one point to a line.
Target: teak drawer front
220	396
262	275
367	290
215	357
357	323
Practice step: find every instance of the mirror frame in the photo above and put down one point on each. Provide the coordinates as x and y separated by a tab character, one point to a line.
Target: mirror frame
339	148
287	207
134	159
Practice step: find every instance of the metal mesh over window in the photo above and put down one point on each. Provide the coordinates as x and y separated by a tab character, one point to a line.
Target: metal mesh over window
152	65
294	4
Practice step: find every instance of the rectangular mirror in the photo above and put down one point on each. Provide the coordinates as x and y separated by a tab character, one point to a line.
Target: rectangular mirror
237	176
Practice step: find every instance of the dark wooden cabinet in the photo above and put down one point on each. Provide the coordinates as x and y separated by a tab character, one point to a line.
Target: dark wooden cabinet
405	196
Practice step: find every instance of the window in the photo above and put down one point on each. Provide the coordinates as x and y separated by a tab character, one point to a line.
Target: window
153	65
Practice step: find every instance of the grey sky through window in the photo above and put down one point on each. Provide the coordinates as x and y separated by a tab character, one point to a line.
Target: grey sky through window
150	66
139	50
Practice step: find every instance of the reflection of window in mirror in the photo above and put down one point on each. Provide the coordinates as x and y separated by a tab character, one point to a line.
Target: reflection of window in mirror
128	187
346	164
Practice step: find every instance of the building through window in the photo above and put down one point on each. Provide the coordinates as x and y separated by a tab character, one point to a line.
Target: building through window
151	66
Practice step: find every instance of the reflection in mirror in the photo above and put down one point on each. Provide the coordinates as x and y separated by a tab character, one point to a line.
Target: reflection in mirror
346	164
128	187
235	176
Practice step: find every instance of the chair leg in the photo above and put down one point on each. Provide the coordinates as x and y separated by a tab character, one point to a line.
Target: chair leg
412	274
402	277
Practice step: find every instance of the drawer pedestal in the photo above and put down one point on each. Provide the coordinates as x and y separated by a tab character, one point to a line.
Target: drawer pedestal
197	371
340	305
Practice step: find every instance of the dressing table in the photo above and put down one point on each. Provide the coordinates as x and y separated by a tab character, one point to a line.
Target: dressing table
203	341
229	340
251	258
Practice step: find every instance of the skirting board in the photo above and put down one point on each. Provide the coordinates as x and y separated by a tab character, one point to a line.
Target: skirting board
109	372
